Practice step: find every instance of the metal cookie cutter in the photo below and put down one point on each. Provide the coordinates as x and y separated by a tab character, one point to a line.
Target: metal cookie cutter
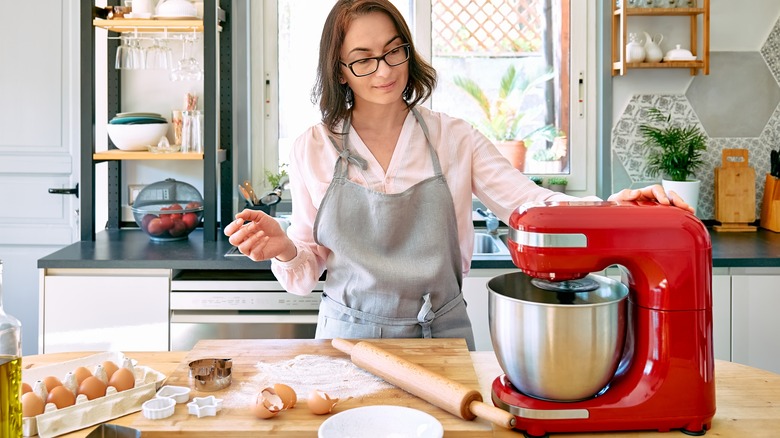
210	374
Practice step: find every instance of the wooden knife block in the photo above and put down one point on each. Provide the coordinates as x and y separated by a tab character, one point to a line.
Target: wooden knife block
735	192
770	207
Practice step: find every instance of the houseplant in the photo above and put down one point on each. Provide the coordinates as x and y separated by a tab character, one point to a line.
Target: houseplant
675	152
557	183
502	121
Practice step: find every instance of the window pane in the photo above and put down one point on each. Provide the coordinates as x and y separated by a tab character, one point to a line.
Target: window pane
476	43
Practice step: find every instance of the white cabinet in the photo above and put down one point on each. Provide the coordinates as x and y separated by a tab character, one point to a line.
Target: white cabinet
755	329
104	309
721	313
475	293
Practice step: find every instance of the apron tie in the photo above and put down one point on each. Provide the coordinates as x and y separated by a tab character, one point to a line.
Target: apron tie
346	157
423	316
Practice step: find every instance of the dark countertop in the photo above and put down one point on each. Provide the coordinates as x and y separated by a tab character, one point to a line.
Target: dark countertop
132	249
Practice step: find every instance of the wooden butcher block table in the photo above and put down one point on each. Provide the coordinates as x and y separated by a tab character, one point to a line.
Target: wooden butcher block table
748	399
449	357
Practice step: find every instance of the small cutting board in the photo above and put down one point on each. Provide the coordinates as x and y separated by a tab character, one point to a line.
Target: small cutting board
735	192
448	357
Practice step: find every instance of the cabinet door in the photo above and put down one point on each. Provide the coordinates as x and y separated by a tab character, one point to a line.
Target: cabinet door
756	326
475	293
124	310
721	315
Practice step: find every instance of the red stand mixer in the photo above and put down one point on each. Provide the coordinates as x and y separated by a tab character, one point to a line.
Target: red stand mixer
665	377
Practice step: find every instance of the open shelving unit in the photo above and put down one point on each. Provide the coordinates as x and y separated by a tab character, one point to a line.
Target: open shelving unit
216	124
620	16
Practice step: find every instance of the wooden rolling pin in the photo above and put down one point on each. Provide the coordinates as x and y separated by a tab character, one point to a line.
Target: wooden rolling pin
436	389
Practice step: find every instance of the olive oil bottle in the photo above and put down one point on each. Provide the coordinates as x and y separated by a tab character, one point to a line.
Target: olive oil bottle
10	371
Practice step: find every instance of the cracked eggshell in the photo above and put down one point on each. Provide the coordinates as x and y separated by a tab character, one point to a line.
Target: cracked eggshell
321	403
287	394
267	404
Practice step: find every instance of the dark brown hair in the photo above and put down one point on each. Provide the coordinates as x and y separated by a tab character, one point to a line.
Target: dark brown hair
334	98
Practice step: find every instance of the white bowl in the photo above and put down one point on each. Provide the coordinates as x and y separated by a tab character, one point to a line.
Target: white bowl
176	9
136	137
381	422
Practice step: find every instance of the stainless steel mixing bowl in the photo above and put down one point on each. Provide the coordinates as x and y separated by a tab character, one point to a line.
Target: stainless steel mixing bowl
562	346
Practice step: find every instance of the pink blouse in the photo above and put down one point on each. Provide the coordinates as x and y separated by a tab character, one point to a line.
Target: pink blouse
470	162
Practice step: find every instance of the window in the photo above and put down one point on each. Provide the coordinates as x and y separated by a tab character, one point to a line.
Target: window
464	40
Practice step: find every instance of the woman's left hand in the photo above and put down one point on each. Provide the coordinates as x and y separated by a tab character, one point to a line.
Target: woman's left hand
652	193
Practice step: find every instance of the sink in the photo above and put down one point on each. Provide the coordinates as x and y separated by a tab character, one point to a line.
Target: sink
485	244
489	245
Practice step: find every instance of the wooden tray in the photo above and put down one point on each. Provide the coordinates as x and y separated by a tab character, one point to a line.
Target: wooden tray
448	357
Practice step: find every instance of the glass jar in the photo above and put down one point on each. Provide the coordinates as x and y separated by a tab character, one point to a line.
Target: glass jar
10	371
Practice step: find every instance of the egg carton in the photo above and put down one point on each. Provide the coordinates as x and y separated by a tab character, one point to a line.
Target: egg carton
54	422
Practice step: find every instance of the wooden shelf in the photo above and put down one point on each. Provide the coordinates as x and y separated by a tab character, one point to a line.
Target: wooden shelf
620	15
122	25
697	64
669	12
117	154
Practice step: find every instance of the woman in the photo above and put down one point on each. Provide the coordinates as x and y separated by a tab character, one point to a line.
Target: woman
382	190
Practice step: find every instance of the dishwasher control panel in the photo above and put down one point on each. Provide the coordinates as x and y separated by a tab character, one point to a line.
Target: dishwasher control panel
238	290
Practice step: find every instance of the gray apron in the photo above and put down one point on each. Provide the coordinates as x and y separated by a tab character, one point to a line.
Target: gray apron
395	265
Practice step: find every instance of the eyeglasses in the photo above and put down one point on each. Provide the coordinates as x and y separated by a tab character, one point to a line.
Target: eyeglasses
366	66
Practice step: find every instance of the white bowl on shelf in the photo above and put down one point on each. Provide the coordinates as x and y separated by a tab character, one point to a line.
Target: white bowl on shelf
136	137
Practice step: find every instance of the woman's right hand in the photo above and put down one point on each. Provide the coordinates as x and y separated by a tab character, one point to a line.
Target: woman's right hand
260	237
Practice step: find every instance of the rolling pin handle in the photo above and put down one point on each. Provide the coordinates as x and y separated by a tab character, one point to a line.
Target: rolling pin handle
342	345
493	414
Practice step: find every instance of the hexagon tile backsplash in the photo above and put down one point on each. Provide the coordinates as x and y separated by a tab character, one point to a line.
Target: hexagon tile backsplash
737	105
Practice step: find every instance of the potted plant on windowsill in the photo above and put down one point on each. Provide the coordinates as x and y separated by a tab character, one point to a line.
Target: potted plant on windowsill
675	152
503	117
557	183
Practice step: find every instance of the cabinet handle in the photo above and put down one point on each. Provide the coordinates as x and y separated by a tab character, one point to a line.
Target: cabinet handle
71	191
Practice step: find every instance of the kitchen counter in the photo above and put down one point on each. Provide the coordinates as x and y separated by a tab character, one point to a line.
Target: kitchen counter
748	399
132	249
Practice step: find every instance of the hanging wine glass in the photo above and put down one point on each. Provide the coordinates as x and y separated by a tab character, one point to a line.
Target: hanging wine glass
123	59
158	56
188	68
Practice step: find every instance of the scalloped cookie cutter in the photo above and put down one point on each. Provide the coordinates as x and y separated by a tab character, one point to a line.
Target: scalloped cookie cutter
210	374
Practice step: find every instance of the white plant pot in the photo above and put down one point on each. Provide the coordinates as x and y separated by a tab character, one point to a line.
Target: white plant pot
687	190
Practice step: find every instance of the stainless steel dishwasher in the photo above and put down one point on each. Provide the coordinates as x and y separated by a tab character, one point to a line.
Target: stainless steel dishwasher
237	305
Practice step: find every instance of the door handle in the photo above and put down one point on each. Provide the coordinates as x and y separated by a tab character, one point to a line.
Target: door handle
71	191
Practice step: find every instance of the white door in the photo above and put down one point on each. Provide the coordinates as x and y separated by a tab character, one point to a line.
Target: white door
39	116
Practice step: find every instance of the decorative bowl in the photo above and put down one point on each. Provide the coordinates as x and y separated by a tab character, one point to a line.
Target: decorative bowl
132	137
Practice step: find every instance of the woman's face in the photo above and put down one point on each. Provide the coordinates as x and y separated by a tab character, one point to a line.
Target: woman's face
371	35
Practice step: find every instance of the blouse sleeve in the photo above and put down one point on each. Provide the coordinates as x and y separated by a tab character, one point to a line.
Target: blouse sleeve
501	187
299	275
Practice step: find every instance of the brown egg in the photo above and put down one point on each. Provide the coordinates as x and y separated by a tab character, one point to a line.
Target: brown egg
110	368
26	388
287	394
92	387
51	382
61	397
32	405
122	379
321	403
81	373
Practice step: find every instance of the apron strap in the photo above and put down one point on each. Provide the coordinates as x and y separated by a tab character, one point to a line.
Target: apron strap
346	157
434	157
